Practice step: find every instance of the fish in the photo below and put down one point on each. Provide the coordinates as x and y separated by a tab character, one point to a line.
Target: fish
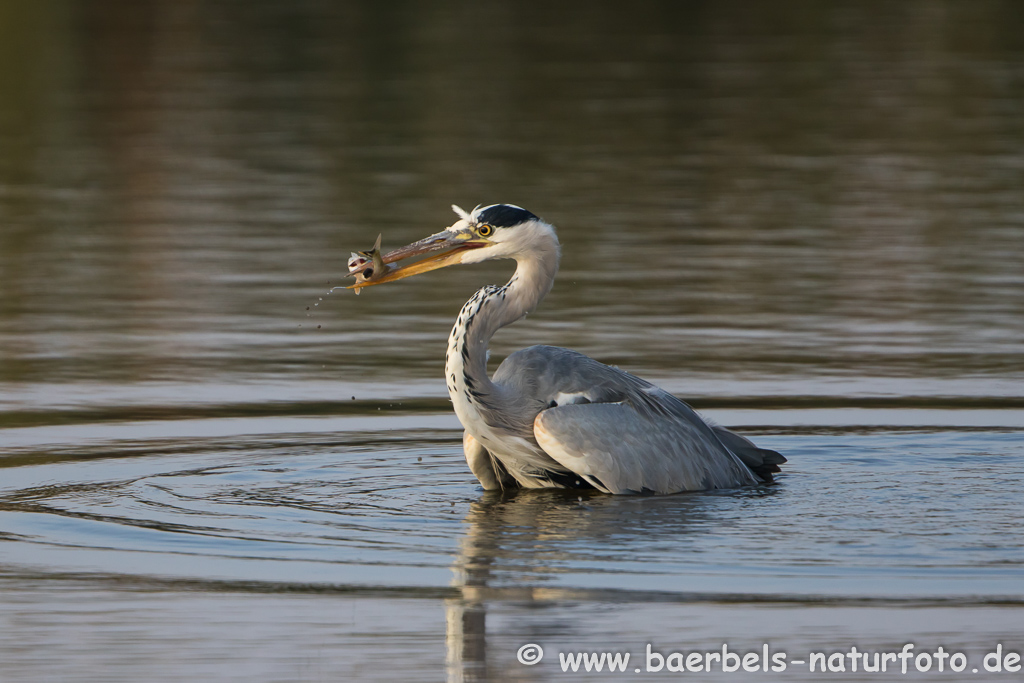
367	266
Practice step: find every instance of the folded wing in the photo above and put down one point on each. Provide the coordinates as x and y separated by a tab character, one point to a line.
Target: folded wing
620	449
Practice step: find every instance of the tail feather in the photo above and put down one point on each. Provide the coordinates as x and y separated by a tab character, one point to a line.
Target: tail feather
763	462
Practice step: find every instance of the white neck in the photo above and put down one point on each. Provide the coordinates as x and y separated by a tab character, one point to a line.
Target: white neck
472	392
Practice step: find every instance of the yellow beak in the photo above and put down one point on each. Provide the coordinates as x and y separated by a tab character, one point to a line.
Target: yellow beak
445	249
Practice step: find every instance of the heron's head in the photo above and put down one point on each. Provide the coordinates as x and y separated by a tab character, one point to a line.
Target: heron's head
487	232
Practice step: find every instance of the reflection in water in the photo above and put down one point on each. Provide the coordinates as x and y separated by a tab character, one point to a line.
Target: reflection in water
225	508
466	639
515	541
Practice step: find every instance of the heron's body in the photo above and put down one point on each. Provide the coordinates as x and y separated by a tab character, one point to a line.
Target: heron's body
554	418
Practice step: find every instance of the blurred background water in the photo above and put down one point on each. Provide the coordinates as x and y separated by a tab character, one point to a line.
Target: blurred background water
806	218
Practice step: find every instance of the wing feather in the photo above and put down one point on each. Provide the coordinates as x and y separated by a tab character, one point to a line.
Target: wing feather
622	450
763	461
619	432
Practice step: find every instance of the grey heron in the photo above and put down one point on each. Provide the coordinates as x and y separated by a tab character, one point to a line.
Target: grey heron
551	417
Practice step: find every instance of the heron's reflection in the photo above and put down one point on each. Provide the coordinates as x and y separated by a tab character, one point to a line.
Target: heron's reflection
517	542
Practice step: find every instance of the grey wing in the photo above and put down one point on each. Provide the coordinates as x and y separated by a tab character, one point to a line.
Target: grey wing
621	450
624	434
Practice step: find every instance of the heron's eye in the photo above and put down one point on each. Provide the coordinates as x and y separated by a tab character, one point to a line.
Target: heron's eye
485	230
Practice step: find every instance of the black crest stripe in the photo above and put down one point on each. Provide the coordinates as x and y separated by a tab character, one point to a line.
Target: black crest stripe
504	216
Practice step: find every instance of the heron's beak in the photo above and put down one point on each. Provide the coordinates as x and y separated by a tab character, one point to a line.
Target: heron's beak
444	249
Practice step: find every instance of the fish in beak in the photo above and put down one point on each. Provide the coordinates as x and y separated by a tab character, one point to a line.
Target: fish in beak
367	265
442	249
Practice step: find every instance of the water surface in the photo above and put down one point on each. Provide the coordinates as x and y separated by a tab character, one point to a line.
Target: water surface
805	219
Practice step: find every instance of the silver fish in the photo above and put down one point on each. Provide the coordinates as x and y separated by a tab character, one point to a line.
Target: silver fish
367	266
